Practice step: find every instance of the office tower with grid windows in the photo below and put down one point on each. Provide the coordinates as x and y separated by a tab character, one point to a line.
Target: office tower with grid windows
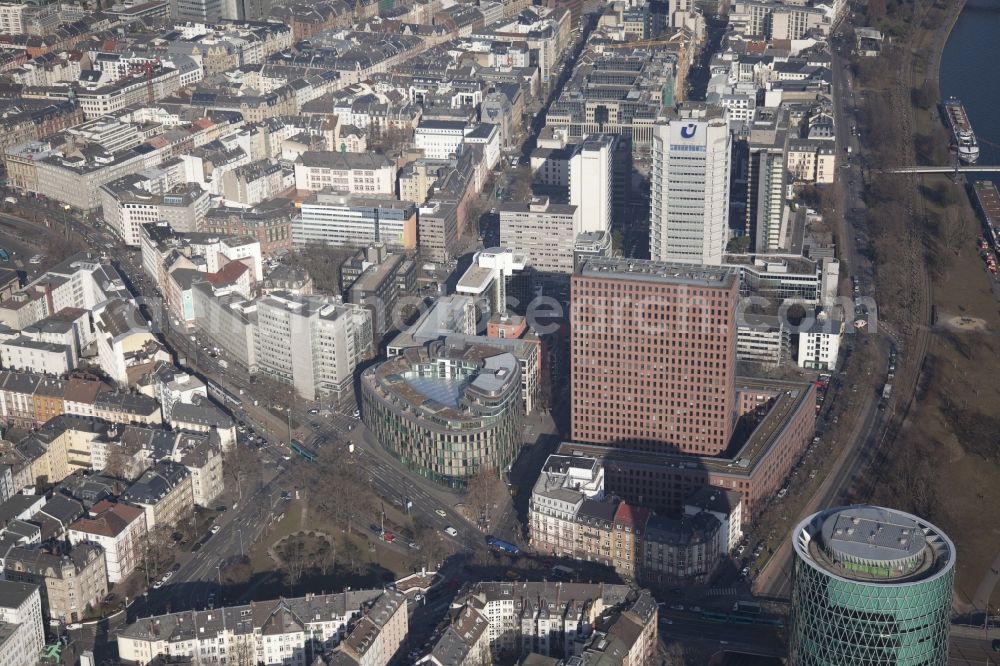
689	187
653	348
870	586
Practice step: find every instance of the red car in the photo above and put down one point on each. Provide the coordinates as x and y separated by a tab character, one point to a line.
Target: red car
388	536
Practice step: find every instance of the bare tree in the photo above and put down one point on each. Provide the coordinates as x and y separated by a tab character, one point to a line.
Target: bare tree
955	229
326	556
243	652
675	654
121	461
156	552
236	572
432	547
240	467
485	494
353	554
520	185
336	489
294	558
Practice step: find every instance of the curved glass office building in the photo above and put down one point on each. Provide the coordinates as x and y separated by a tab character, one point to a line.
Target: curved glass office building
871	586
447	410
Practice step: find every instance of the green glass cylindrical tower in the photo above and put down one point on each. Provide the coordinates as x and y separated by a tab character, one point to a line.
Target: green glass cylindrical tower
871	586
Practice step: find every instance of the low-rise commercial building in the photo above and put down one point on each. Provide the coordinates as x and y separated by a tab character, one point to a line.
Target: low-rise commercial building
762	339
377	290
229	320
22	353
343	219
811	161
819	343
437	230
780	418
126	206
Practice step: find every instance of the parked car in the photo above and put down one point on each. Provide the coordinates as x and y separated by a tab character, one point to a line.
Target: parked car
451	531
215	529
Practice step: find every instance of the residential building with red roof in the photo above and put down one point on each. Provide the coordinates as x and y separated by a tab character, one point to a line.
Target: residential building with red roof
626	538
120	529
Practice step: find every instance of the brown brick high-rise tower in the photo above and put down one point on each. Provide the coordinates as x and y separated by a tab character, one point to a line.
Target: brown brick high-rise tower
653	351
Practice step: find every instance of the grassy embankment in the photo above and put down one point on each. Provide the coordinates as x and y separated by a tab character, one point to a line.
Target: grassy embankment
944	462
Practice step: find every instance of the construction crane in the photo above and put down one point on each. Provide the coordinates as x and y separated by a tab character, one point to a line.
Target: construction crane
147	71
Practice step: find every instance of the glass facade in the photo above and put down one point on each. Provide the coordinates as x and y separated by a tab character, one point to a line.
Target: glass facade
849	611
445	412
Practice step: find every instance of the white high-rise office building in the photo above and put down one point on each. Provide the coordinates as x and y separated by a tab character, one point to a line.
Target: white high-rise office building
689	215
590	182
312	343
22	634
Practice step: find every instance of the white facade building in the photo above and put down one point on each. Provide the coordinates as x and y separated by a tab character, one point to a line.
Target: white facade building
311	343
22	634
689	217
22	353
819	345
439	139
343	219
486	135
590	183
358	173
556	498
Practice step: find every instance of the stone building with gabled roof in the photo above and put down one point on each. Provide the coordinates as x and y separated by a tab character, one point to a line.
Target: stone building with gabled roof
269	632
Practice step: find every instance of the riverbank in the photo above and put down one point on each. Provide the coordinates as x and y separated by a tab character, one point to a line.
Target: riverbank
942	459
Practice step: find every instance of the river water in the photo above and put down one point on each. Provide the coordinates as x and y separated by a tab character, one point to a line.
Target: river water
969	72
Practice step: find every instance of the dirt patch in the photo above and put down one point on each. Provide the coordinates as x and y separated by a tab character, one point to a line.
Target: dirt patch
964	324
